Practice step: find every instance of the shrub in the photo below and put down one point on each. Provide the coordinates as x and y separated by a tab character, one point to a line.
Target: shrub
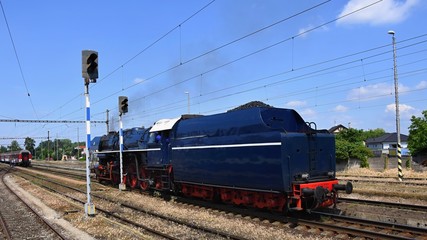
364	163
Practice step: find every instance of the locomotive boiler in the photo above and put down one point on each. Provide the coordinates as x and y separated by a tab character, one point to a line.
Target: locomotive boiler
262	157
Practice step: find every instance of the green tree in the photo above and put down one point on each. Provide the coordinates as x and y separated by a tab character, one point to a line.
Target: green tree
57	148
417	140
42	151
351	135
29	144
14	146
349	144
342	149
62	147
3	149
373	133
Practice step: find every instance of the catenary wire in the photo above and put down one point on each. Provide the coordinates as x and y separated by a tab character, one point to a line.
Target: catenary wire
201	55
327	61
136	55
156	41
230	62
165	108
17	59
221	66
297	77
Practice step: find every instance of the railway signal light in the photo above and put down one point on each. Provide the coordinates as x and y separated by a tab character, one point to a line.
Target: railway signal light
90	65
123	104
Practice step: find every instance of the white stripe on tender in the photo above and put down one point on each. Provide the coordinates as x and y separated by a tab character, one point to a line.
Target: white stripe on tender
230	146
133	150
203	147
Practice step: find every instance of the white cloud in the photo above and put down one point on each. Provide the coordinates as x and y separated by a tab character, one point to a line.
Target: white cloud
384	12
307	113
402	108
294	104
405	111
421	85
138	80
370	92
340	108
302	31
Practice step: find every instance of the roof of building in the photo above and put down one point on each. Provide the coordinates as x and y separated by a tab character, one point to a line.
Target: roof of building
337	127
388	137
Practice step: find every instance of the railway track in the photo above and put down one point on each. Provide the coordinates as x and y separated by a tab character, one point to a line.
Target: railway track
73	172
350	176
334	226
372	229
328	224
128	212
413	207
19	220
51	166
389	181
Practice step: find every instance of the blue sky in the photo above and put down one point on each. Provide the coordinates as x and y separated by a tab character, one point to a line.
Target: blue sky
332	61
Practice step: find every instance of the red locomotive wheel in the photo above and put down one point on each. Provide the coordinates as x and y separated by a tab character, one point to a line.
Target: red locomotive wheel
133	178
143	184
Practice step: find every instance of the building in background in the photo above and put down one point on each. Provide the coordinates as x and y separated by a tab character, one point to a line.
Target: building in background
387	144
338	128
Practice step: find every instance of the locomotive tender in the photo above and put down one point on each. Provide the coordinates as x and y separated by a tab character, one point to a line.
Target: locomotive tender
262	157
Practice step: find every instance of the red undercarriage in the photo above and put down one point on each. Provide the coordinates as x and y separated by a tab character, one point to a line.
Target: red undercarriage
328	201
271	201
263	200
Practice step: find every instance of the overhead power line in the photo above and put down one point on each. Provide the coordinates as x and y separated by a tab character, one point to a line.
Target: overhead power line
47	121
140	52
324	71
225	45
309	30
334	68
10	138
156	41
17	59
257	31
200	55
230	62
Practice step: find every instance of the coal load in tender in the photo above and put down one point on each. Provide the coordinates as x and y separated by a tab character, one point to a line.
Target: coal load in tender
250	105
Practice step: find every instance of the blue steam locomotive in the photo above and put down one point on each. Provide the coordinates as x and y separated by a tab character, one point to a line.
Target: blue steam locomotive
262	157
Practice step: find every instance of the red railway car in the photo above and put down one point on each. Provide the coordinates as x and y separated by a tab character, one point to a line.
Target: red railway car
19	158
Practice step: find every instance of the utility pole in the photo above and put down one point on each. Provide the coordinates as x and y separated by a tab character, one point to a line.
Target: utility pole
396	98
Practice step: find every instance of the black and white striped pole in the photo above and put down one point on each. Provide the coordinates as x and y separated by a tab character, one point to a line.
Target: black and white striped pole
89	74
123	108
396	97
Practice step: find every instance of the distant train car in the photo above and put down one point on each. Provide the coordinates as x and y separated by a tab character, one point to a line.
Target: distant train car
261	157
19	158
